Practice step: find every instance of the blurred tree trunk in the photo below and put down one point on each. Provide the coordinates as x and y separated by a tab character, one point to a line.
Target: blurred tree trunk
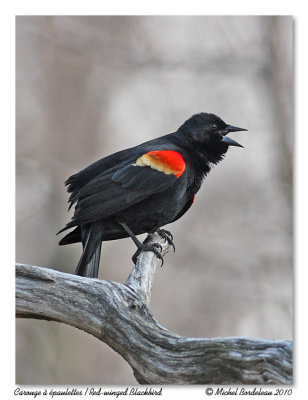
279	77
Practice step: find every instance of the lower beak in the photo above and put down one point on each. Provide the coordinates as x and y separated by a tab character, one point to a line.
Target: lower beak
230	142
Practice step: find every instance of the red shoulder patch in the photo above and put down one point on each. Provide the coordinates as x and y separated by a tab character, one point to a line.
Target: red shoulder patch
166	161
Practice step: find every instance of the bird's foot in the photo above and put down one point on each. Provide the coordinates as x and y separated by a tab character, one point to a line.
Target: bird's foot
167	236
155	248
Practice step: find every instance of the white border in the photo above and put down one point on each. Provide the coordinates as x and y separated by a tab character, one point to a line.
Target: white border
142	7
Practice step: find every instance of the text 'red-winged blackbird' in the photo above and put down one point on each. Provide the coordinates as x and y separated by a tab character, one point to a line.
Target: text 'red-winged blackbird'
143	188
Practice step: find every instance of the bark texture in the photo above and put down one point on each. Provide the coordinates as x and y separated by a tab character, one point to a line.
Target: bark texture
119	315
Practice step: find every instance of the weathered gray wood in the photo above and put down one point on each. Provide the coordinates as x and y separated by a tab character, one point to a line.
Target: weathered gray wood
141	277
119	316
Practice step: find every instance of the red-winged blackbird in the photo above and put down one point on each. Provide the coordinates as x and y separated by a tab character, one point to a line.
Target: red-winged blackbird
143	188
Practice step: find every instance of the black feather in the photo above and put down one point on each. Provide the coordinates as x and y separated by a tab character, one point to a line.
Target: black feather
91	236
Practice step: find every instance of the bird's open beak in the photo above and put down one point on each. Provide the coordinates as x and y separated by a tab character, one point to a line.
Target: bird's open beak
229	141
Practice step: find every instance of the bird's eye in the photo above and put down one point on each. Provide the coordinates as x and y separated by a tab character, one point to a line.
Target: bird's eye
213	125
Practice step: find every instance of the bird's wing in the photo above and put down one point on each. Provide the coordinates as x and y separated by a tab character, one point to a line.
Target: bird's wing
125	185
103	166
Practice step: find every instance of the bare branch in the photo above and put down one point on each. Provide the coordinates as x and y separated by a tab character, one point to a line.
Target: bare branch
141	277
119	316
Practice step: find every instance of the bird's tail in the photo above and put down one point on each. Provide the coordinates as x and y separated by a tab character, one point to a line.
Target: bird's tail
91	236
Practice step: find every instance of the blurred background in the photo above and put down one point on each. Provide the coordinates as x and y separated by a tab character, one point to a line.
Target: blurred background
89	86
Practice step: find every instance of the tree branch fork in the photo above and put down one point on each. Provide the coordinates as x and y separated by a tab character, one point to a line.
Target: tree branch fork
119	315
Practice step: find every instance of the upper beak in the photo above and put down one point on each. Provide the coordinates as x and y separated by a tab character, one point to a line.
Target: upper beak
231	128
229	141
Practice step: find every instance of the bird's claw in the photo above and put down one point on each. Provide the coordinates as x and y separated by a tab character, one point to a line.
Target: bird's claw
155	248
167	236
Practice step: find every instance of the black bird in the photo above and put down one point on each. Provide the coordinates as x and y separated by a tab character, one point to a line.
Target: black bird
143	188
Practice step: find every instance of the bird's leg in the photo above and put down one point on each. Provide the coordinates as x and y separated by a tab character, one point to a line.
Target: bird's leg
142	246
167	236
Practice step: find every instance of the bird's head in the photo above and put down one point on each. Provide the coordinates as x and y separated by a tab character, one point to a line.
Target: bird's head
210	131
